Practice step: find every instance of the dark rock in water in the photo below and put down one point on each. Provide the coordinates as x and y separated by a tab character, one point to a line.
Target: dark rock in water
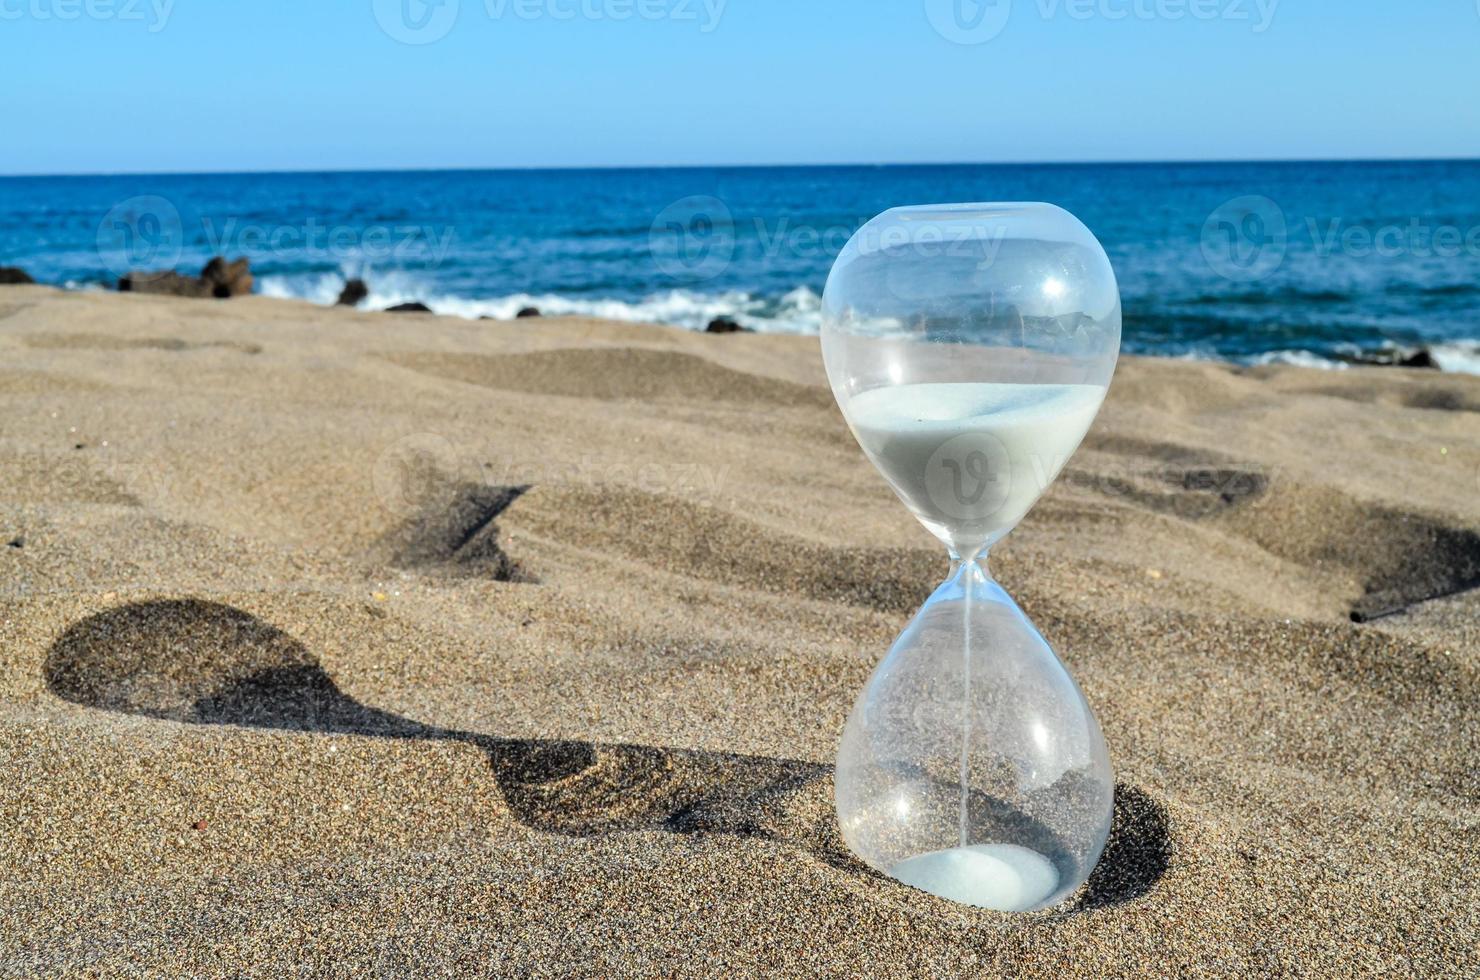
219	279
11	276
409	308
164	283
353	293
226	279
527	312
1421	358
725	325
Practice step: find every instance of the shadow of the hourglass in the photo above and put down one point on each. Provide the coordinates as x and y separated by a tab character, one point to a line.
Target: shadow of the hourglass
1136	856
205	663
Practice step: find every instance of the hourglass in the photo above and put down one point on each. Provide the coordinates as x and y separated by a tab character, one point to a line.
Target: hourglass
969	347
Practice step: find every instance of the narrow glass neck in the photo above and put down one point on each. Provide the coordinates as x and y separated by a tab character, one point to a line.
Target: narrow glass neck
979	556
970	580
973	568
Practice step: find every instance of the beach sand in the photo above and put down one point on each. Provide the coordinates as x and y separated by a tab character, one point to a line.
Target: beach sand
370	644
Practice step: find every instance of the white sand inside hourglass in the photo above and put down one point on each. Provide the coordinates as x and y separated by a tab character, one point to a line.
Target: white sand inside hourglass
1004	877
973	455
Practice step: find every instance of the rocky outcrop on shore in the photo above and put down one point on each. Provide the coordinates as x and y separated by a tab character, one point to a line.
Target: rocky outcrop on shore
219	279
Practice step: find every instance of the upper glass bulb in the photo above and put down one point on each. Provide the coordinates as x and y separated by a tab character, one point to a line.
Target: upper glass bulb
1006	314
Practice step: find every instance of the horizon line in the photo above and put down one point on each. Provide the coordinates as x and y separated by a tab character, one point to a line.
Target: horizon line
736	166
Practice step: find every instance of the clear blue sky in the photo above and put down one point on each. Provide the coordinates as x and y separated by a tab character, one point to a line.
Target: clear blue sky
111	86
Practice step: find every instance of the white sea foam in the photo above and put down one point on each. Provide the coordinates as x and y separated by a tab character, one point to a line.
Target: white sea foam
799	311
1457	357
1299	358
1461	356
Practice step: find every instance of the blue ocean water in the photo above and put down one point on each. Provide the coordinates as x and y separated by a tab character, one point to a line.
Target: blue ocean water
1251	262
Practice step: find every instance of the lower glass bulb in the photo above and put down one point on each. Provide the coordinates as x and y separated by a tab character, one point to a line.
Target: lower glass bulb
971	766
